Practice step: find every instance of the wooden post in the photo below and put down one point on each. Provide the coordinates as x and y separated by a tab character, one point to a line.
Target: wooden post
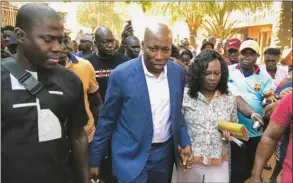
261	46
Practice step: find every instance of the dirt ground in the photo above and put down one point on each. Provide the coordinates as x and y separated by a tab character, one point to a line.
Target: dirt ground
267	173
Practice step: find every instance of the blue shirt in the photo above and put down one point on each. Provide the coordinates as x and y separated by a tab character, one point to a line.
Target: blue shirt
72	57
80	54
251	88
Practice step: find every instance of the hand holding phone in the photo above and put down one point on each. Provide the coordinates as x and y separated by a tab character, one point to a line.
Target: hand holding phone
128	30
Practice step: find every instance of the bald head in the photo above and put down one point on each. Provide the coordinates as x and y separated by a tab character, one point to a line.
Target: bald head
105	41
158	30
131	39
33	14
132	46
102	32
157	46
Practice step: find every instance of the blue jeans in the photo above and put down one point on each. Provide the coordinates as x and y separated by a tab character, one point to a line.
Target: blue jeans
159	166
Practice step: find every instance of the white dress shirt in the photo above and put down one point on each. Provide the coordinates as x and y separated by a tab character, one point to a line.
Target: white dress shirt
158	89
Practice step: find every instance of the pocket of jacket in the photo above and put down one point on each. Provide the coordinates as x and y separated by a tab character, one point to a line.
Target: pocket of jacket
123	139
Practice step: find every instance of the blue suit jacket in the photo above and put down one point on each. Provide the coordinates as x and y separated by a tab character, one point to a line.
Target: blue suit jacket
126	117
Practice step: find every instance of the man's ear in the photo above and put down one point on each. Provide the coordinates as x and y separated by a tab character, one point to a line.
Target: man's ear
19	35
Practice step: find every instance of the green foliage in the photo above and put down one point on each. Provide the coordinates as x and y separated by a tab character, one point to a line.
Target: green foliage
282	30
145	5
93	14
219	26
190	12
194	12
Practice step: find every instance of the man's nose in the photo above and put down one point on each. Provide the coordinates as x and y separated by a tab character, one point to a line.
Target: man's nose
57	46
159	55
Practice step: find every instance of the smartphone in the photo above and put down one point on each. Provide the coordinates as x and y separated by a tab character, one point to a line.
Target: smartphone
128	22
129	27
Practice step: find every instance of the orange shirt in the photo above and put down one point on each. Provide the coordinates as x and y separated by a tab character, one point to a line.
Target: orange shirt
85	71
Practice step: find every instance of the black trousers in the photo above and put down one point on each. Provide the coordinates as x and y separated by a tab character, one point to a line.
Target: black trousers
242	160
106	174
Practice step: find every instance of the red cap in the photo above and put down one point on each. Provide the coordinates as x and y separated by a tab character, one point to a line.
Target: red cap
233	43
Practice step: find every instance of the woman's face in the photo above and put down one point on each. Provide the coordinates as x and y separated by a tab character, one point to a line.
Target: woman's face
212	76
220	46
185	59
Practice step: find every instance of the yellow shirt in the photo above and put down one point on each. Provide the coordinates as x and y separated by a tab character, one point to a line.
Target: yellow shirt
86	73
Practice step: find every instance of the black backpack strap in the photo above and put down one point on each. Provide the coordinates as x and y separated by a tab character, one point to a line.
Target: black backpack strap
31	84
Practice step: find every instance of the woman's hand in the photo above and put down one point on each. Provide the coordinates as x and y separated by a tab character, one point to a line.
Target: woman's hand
189	164
186	157
227	135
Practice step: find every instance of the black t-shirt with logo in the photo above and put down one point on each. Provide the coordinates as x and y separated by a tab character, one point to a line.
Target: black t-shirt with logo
104	66
33	148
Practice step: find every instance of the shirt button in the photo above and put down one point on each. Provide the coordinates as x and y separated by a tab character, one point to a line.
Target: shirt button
150	134
147	151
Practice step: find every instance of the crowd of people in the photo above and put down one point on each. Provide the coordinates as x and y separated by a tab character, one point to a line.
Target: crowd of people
139	111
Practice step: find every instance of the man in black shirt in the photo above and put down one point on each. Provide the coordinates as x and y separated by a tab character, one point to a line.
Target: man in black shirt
106	59
36	147
132	46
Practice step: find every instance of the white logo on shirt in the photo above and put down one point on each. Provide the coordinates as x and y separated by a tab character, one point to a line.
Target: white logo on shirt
49	127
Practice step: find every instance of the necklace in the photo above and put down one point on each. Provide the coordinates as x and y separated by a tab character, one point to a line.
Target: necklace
209	98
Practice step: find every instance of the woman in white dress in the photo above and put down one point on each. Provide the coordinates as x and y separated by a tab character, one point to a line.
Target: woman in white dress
206	102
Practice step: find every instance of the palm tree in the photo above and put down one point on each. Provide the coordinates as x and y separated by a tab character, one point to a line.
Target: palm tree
282	29
190	12
194	13
145	5
218	24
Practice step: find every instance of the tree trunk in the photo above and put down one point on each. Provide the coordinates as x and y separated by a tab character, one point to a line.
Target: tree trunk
282	29
192	35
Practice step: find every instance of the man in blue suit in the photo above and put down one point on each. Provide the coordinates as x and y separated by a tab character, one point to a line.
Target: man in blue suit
142	114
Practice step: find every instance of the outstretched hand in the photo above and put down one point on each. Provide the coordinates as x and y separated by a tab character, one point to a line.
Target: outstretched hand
256	117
